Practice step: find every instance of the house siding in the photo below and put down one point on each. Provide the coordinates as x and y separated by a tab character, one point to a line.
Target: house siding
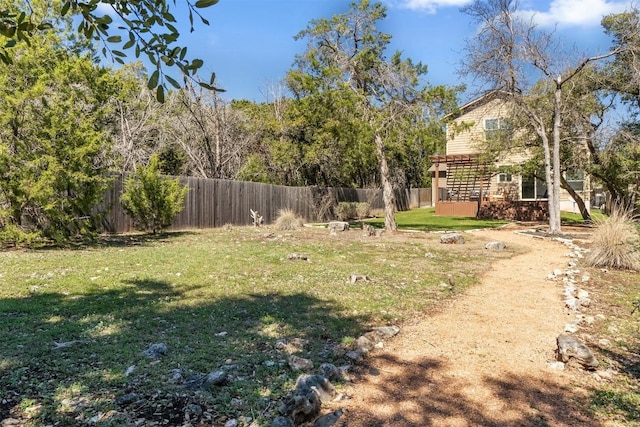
471	132
466	135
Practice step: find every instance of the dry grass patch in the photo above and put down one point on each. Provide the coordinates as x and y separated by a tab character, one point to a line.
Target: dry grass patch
288	220
616	242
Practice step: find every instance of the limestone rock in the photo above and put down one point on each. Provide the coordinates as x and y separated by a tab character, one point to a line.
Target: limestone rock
281	422
330	371
300	364
195	381
319	384
364	345
329	419
570	347
495	246
303	406
338	226
556	366
354	355
452	239
155	351
387	331
571	327
127	399
216	378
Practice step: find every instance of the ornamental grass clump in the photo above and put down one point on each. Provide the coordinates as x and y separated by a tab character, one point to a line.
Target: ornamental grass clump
616	242
288	220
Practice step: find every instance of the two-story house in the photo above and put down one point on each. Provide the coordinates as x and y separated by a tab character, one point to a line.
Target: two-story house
467	183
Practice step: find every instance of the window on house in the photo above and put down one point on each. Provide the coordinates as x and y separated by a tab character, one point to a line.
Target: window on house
575	178
505	177
533	188
495	128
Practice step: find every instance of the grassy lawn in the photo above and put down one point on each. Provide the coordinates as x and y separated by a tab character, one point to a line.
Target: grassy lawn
73	323
425	219
571	218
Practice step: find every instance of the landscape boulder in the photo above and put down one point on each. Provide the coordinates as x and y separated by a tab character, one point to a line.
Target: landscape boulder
319	384
452	239
303	406
335	226
495	246
570	347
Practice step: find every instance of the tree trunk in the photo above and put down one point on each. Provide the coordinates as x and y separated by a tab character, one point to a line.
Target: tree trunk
387	188
554	191
217	130
547	171
578	199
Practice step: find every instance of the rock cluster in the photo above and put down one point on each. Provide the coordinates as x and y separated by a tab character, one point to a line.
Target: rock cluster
304	403
186	404
570	348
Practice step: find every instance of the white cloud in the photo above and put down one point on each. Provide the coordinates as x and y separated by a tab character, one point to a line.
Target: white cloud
560	12
429	6
567	13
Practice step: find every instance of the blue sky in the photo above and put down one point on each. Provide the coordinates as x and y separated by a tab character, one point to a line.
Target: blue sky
250	44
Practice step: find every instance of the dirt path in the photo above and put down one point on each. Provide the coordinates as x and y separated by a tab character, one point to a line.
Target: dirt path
482	360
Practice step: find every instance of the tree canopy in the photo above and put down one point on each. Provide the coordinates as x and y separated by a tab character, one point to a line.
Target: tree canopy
54	147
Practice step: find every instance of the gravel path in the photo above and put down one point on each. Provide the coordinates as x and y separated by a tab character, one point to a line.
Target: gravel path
483	360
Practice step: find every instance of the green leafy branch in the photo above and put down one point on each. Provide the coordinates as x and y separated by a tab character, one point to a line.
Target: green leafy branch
149	25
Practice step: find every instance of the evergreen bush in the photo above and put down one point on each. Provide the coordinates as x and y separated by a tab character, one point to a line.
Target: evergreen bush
346	210
153	200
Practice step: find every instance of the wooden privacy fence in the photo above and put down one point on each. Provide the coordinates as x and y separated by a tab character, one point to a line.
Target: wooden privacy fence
214	203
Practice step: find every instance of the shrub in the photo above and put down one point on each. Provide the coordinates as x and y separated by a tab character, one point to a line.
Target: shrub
363	210
346	210
616	242
152	200
288	220
12	235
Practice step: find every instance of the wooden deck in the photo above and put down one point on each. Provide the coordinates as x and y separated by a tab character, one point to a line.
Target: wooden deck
446	208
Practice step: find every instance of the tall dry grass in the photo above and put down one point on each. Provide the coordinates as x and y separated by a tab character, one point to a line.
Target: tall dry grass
616	242
288	220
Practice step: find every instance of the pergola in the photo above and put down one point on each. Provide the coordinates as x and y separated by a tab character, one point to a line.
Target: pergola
467	184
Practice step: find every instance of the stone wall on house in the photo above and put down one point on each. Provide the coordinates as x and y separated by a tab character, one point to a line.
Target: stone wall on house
537	210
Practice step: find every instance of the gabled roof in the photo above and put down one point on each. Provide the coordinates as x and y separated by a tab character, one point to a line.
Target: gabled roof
476	103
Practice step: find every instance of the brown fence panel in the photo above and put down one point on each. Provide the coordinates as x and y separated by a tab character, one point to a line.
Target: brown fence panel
420	197
213	203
